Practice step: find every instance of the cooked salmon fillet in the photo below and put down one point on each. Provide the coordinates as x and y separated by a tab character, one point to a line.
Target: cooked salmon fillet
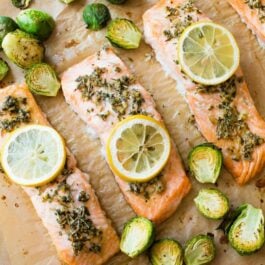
101	91
252	12
225	114
72	184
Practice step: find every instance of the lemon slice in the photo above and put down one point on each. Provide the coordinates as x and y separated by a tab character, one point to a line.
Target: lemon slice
138	148
33	155
208	53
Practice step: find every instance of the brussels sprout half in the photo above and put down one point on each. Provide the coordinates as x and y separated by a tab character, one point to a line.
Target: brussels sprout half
36	22
212	203
22	49
137	235
3	69
199	250
166	252
67	1
205	162
7	25
124	33
96	16
246	231
117	2
22	4
42	80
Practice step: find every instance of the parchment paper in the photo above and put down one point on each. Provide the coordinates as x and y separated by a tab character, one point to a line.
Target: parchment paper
23	239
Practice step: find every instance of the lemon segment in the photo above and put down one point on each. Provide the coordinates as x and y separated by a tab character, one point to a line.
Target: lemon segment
138	148
208	53
33	155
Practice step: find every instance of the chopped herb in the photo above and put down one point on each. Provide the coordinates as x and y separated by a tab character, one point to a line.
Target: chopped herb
149	188
15	108
231	124
83	196
257	4
81	229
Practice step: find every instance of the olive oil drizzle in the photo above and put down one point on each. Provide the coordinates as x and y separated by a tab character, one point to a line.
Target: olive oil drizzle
231	124
16	112
75	220
122	99
257	4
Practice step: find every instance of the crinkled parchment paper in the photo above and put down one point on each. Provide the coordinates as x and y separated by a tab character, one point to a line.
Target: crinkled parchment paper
23	239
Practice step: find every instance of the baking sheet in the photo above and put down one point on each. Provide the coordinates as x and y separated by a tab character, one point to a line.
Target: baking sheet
23	239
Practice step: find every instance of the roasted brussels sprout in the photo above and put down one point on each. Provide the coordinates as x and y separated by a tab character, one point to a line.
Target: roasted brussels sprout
36	22
3	69
7	25
22	49
212	203
199	250
42	80
137	235
22	4
205	162
117	2
166	252
246	229
96	16
124	33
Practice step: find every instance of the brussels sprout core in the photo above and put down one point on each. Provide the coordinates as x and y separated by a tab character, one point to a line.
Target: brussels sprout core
22	49
3	69
212	203
7	25
199	250
137	236
205	163
96	16
246	234
41	79
36	22
124	33
166	252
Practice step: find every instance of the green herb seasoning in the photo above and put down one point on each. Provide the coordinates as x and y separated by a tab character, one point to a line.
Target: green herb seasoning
82	232
257	4
180	17
116	92
16	111
231	124
147	189
83	196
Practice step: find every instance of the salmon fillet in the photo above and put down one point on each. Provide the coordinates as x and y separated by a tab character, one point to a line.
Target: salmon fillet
71	186
225	114
101	91
252	12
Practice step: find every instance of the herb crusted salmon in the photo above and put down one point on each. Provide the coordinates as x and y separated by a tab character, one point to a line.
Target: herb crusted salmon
103	92
252	12
225	113
68	206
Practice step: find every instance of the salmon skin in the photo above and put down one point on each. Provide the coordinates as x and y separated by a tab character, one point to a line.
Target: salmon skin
70	196
225	114
101	91
252	12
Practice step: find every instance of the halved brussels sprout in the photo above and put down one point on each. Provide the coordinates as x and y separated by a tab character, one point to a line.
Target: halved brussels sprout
137	235
22	4
246	230
117	2
96	16
212	203
205	162
166	252
199	250
36	22
67	1
42	80
3	69
22	49
7	25
124	33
